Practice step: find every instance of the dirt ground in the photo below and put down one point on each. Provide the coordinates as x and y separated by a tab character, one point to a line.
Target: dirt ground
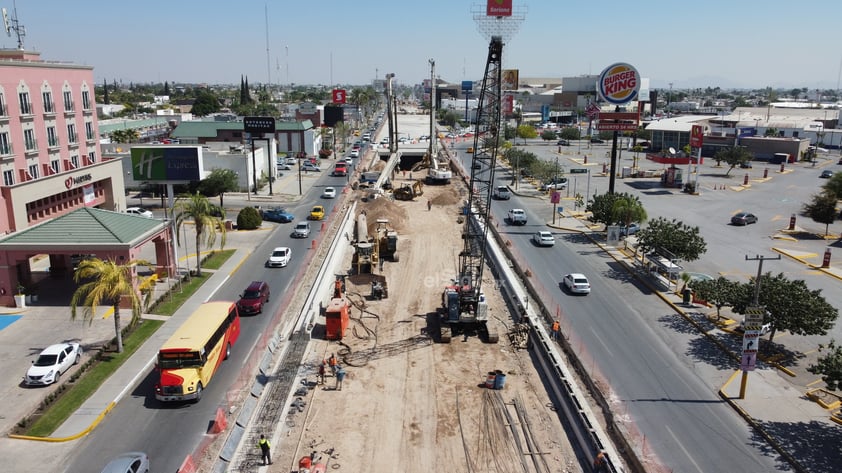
411	405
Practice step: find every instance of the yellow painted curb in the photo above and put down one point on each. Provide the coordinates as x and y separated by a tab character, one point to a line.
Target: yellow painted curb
91	427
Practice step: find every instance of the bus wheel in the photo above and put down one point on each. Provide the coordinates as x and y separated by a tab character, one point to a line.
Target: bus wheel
227	351
198	393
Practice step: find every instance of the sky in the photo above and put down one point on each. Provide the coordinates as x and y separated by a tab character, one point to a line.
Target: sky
714	43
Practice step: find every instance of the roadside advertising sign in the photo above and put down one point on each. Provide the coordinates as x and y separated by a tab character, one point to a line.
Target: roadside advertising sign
339	96
696	136
619	83
499	8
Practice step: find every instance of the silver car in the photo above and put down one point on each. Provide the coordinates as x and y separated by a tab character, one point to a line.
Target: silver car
131	462
543	238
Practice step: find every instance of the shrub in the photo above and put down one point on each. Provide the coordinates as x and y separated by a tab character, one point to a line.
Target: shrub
249	219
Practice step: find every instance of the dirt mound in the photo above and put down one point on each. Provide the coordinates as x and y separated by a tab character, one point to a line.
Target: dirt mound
450	195
382	207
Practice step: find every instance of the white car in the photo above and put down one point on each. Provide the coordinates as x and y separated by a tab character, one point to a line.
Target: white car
577	283
329	193
355	153
280	257
139	211
543	238
349	160
52	362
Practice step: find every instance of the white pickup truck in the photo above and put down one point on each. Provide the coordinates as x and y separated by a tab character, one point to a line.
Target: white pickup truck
517	217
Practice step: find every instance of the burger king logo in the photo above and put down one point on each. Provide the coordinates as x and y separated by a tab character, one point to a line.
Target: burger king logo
619	83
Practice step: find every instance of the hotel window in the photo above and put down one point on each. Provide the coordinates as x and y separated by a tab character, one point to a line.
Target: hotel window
68	101
71	133
49	106
92	157
54	166
33	171
3	112
74	162
25	104
5	146
89	131
86	100
8	178
29	140
52	137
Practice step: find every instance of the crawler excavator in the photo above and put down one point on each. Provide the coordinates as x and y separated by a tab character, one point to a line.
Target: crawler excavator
464	308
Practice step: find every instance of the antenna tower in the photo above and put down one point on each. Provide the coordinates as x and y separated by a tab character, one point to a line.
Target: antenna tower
12	24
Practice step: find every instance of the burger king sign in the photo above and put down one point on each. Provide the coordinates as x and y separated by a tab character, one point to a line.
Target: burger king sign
619	83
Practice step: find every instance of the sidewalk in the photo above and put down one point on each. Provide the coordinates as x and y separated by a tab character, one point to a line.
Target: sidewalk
797	428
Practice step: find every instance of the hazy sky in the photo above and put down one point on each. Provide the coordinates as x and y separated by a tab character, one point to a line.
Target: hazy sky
725	43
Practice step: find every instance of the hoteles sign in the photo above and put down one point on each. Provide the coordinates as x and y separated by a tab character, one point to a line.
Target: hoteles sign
259	124
619	83
74	181
167	163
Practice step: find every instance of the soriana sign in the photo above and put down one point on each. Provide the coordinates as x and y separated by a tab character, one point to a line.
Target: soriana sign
499	8
619	83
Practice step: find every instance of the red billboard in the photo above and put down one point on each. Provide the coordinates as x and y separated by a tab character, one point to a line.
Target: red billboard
696	136
339	96
499	8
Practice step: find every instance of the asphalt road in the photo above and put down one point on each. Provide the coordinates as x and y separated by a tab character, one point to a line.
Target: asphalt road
170	432
632	341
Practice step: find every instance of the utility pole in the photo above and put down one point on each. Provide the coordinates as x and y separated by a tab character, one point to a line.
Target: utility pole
749	332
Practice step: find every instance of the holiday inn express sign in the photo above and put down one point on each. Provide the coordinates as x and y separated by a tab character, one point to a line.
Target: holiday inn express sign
166	163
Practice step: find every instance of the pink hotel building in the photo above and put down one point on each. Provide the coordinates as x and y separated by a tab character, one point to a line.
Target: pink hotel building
50	165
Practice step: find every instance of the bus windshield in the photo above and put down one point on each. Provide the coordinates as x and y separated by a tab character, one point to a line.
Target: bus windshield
174	361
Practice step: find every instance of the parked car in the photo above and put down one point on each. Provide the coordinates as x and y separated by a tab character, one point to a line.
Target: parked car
329	193
597	140
317	213
543	238
563	143
141	212
252	299
557	183
745	165
577	283
630	230
291	161
277	214
743	218
310	167
52	362
279	258
131	462
301	230
826	174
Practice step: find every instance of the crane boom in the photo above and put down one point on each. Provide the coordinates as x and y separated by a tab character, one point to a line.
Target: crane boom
464	302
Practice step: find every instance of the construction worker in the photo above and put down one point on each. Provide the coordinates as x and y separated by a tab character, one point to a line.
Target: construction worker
555	330
340	376
263	444
429	205
333	364
599	462
322	372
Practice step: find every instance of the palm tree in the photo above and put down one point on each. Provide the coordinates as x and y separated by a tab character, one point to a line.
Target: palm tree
106	282
628	209
198	208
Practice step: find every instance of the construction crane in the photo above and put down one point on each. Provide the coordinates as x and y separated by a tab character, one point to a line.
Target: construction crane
439	169
463	303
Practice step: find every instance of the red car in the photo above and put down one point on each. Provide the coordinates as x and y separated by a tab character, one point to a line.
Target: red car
252	299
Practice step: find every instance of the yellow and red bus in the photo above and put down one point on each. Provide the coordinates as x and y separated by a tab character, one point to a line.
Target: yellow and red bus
190	358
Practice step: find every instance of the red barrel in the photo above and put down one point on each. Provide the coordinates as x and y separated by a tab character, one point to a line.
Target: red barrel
305	462
490	379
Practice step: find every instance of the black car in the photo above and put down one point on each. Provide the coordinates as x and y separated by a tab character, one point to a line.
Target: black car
563	143
597	140
745	165
826	174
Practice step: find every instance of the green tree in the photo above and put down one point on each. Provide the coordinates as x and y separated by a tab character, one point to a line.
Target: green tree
126	135
733	157
681	240
790	305
570	133
602	208
719	292
249	219
206	103
822	209
202	213
548	135
218	182
525	132
628	209
829	366
104	282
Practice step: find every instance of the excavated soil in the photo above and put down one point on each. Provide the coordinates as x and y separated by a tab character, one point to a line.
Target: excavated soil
410	404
